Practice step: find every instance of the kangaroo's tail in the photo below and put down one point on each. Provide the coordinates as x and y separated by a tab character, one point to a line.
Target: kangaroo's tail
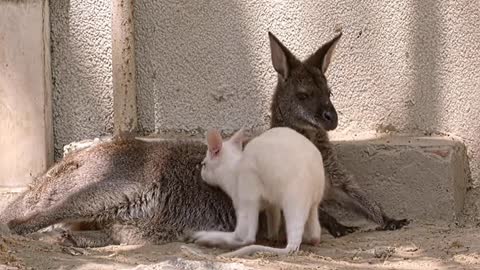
249	250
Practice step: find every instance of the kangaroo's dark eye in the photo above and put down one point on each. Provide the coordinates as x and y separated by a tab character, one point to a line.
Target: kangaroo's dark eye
302	96
203	164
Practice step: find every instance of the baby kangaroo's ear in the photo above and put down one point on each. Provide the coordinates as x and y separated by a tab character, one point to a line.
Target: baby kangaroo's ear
214	142
239	137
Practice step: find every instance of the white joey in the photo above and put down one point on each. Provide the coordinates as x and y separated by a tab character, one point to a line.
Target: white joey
280	170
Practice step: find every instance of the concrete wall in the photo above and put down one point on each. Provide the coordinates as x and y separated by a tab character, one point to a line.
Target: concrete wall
82	70
26	138
410	66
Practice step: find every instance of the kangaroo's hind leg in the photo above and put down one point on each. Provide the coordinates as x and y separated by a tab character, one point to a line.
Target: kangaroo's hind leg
98	201
296	215
80	239
335	228
313	229
274	222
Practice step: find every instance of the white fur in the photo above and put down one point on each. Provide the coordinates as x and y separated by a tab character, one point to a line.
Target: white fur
278	170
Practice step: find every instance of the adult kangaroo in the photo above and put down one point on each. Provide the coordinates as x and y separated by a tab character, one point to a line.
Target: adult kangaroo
136	191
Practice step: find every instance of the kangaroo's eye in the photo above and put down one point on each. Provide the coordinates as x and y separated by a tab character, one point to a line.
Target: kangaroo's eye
302	96
203	164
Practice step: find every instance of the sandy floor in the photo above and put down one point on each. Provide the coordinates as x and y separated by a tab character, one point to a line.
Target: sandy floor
415	247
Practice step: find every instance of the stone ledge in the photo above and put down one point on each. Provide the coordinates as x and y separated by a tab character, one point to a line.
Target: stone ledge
421	178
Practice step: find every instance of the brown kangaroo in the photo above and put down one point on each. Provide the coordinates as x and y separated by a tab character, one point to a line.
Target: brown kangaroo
136	191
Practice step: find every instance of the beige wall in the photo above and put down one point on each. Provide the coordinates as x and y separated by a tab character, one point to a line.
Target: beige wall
25	91
410	65
81	69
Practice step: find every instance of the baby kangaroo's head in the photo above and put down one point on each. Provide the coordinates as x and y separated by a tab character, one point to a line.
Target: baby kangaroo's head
221	158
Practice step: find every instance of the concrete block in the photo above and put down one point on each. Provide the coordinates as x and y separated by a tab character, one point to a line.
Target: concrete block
26	135
422	178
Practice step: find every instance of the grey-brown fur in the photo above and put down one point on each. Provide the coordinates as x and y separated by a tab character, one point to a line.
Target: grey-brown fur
137	191
302	101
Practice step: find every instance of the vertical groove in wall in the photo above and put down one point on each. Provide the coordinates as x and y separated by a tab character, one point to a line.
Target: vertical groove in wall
47	84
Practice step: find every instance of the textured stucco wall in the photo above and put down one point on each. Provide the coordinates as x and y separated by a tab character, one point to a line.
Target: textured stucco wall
82	70
408	65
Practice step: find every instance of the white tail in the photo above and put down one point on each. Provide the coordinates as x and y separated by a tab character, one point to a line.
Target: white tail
295	220
250	250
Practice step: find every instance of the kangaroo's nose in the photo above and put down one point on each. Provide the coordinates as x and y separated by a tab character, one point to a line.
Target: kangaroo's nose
330	119
328	116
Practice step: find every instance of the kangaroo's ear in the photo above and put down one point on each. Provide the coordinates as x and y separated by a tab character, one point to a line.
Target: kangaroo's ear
238	138
214	142
282	59
323	56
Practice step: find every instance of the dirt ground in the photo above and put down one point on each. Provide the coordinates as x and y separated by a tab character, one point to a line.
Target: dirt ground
414	247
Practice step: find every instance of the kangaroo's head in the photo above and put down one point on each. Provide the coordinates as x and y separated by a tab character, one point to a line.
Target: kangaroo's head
302	96
218	166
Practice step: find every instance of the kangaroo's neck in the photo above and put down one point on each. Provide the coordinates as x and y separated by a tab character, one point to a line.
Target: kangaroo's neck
316	135
229	186
229	179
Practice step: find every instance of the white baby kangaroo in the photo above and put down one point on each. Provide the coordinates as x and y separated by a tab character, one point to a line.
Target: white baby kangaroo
278	170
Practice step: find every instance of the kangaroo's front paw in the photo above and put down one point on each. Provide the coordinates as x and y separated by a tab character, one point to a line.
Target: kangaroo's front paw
215	239
16	226
55	236
394	224
205	241
66	239
201	238
192	237
21	225
340	230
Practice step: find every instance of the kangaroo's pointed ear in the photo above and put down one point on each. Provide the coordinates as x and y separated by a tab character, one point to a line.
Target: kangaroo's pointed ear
238	138
323	56
282	59
214	142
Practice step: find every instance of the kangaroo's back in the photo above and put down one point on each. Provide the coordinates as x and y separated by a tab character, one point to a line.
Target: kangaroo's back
106	162
152	184
284	157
